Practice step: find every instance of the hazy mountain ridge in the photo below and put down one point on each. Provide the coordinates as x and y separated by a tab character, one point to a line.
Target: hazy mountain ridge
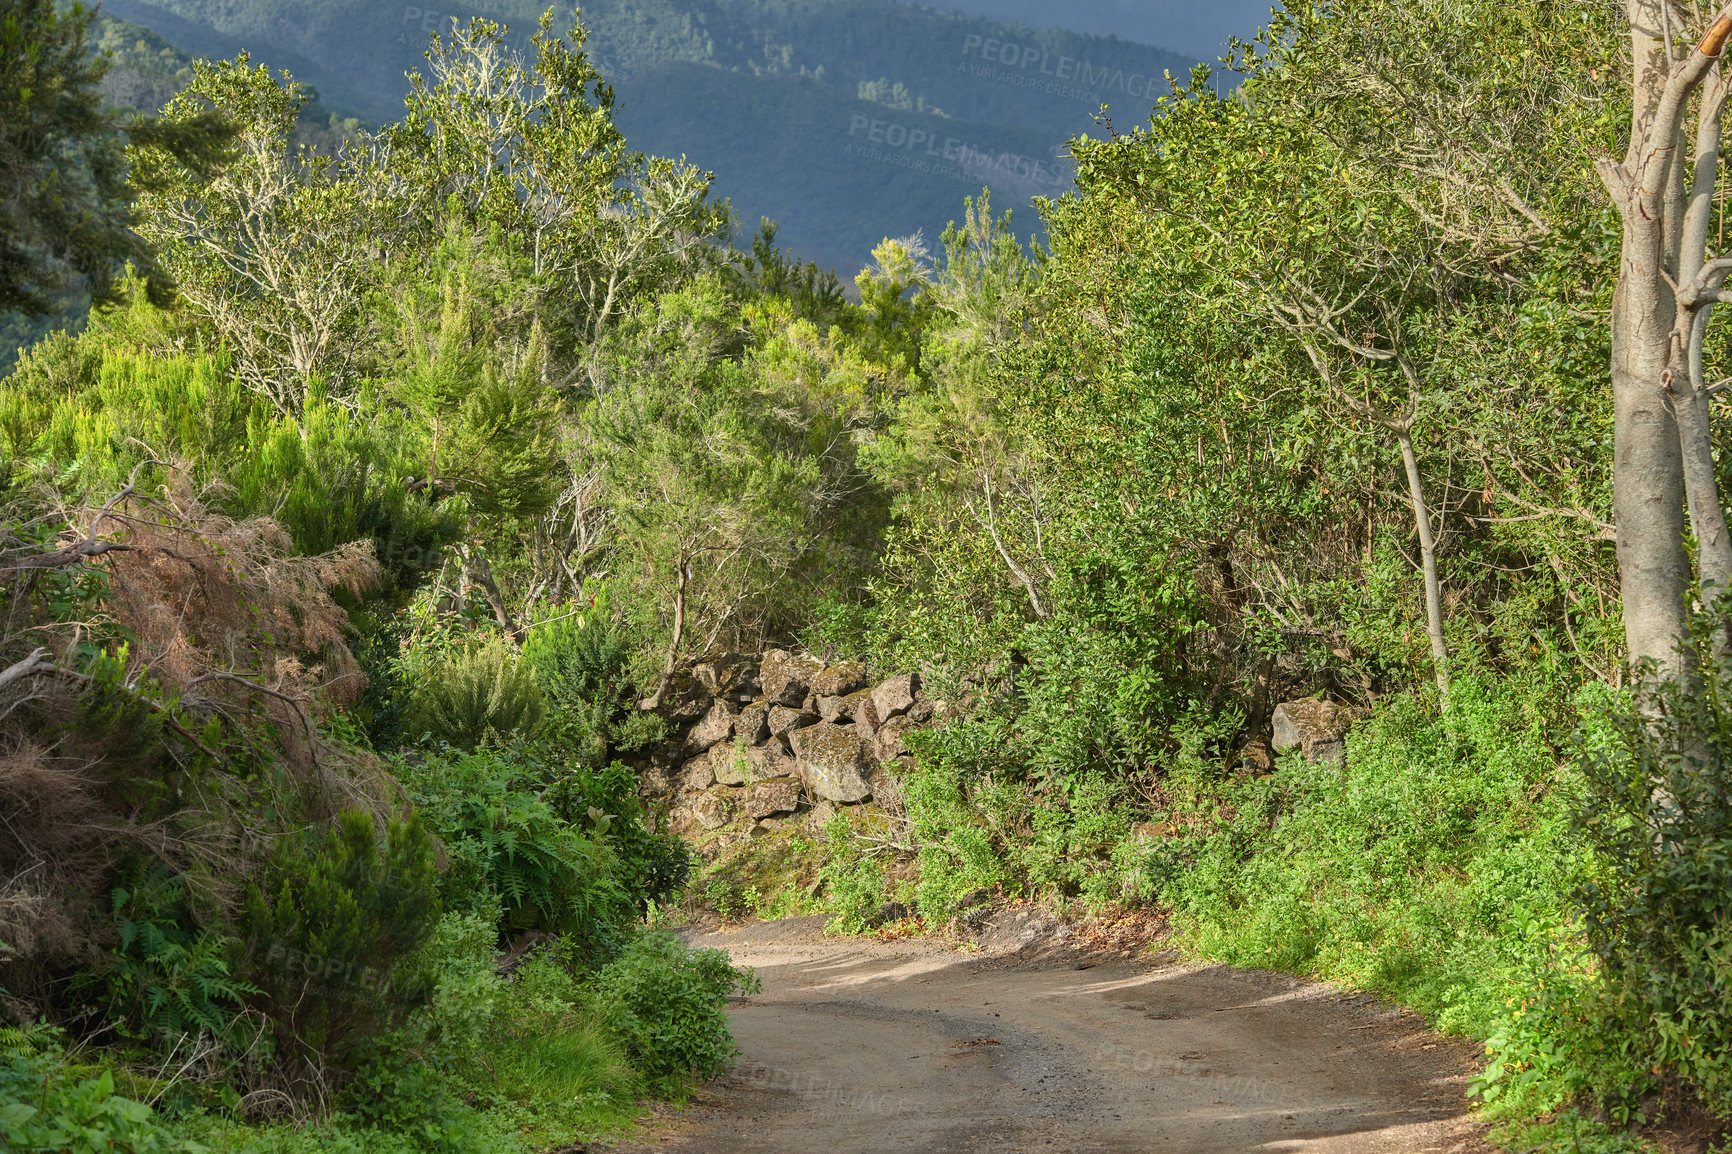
742	86
839	42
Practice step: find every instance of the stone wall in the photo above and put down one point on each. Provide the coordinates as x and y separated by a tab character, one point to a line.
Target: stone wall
761	741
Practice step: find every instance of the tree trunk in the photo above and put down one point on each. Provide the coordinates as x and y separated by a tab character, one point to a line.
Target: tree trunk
1701	485
654	700
1427	561
1699	282
1647	467
481	574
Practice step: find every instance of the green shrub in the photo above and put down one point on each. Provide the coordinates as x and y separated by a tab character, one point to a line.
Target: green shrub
667	1003
47	1105
392	1094
330	477
523	1045
459	961
854	892
654	867
333	930
564	1062
982	824
1659	917
513	852
581	664
1416	868
171	976
484	695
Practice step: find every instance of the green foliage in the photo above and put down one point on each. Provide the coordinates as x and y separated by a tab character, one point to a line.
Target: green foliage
853	886
602	224
653	867
667	1003
332	477
65	198
113	719
512	851
897	310
47	1105
485	694
171	976
1435	865
271	255
814	293
582	666
984	825
83	414
1659	917
331	932
730	455
1542	1056
483	419
523	1043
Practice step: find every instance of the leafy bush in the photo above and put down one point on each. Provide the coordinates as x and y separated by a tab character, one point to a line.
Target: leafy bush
854	894
581	665
328	478
667	1003
512	852
565	1057
1659	917
523	1043
1542	1056
459	959
1435	865
984	822
47	1105
171	977
483	695
333	929
654	867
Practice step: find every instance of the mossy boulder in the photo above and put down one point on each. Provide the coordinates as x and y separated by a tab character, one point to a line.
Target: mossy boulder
835	763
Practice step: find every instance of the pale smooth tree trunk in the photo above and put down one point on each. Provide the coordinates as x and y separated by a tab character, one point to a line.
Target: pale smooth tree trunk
1647	467
1700	284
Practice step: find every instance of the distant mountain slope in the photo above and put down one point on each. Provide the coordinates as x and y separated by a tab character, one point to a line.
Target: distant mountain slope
769	94
147	70
970	67
840	174
1186	25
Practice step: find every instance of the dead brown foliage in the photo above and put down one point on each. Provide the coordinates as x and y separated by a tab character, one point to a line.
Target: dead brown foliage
219	622
204	595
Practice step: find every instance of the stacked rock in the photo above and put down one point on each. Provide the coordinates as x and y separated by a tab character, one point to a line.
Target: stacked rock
758	740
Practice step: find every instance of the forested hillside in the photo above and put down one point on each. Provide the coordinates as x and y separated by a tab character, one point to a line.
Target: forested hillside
1011	94
1204	30
449	562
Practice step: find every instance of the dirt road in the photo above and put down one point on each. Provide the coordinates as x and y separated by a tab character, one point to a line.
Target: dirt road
858	1046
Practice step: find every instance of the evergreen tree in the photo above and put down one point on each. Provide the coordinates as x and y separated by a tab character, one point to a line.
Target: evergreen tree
65	200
